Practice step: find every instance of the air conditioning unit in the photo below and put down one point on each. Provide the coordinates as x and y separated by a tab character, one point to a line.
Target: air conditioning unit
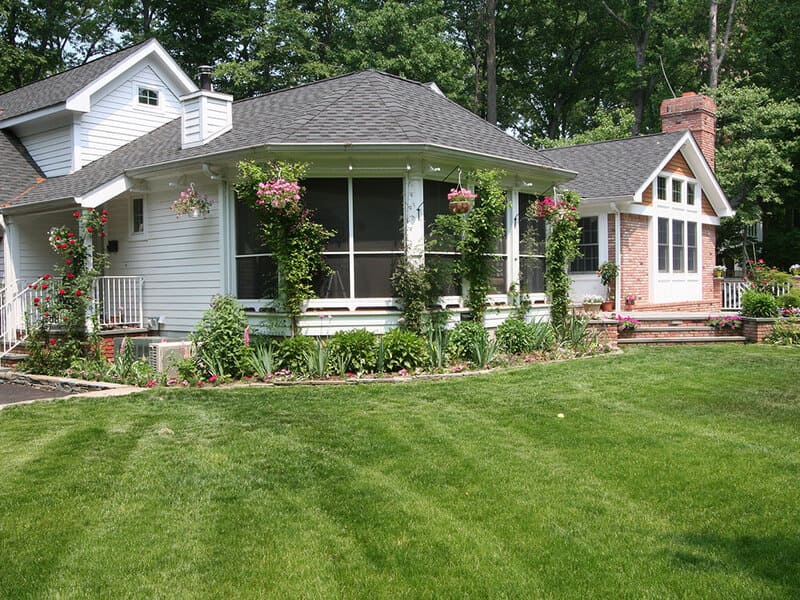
164	355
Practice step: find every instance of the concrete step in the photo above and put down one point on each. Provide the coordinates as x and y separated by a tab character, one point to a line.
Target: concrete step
695	339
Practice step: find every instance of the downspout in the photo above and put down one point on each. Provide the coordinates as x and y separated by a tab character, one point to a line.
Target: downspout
617	256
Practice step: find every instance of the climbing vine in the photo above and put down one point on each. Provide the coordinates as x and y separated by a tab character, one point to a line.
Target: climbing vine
475	236
287	227
562	246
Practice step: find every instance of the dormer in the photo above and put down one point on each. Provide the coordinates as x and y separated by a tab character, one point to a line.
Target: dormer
206	114
73	118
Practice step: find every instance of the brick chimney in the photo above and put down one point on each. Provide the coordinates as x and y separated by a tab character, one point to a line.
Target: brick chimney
698	114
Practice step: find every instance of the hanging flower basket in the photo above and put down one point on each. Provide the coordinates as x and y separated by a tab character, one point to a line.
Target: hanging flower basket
191	203
279	194
461	200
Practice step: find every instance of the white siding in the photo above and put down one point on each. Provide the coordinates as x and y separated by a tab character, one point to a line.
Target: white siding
116	117
206	115
35	258
51	149
178	258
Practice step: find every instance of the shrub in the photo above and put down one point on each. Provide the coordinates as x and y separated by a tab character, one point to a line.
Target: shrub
292	352
466	336
354	351
515	336
785	332
413	284
543	336
578	336
262	358
437	342
220	338
404	350
790	300
758	304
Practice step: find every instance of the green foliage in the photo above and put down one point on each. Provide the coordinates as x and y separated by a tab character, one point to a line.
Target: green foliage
577	336
785	332
790	300
514	336
262	358
758	304
292	353
413	284
608	274
317	360
562	247
220	338
404	350
475	235
465	338
288	230
354	351
438	340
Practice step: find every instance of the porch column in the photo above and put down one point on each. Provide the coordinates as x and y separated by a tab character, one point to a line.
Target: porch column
9	255
414	220
87	241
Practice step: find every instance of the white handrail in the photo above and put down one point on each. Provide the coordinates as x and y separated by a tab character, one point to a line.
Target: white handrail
732	290
14	316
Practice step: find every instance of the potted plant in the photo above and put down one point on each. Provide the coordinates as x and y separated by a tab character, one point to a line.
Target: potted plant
190	202
630	301
461	200
608	273
592	303
719	271
795	270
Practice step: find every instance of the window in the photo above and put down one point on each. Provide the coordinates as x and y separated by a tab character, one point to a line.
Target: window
589	247
366	215
148	97
663	245
691	190
532	239
677	191
691	247
661	188
137	215
677	246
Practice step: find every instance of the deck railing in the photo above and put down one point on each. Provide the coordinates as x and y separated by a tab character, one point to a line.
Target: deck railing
732	290
118	301
15	313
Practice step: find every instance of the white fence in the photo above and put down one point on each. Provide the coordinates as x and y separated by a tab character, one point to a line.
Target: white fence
732	290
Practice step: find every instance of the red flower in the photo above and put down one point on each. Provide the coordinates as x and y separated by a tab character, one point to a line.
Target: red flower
45	286
47	297
70	275
78	292
76	214
36	300
47	314
52	342
90	229
104	212
61	292
103	219
72	242
47	276
102	234
70	235
69	261
66	319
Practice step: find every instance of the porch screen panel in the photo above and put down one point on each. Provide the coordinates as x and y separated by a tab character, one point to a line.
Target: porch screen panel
256	270
440	256
532	240
377	234
327	197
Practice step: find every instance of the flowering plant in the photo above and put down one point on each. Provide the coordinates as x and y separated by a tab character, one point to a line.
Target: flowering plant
626	324
795	269
762	277
630	299
279	193
190	202
556	210
461	199
591	299
719	270
730	322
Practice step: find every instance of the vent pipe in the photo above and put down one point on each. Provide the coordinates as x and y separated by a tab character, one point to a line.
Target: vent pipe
204	73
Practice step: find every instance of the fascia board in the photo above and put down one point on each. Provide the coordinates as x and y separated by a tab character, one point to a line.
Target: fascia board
105	192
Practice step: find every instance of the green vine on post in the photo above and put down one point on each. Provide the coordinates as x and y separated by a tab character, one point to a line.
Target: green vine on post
562	247
475	236
288	229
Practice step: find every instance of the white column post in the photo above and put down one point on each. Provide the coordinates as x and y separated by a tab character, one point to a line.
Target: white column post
414	220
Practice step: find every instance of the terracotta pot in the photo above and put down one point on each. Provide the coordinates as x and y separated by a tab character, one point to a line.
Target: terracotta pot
607	305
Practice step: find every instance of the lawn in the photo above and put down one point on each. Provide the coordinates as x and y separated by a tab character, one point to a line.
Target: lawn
674	472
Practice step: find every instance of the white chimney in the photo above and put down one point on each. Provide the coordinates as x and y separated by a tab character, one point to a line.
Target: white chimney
206	114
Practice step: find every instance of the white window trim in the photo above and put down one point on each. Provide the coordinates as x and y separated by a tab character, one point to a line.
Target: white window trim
138	235
158	108
683	204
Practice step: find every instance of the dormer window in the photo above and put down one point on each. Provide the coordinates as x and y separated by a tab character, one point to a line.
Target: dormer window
148	97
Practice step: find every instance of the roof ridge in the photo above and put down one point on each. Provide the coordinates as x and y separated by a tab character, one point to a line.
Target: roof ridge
76	67
625	139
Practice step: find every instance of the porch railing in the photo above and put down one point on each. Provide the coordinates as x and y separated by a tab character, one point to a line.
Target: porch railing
118	301
732	290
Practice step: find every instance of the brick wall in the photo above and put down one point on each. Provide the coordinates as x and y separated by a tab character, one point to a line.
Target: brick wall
635	257
694	112
712	289
612	238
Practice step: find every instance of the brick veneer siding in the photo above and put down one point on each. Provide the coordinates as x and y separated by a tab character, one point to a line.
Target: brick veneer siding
677	165
635	257
694	112
755	330
612	238
712	289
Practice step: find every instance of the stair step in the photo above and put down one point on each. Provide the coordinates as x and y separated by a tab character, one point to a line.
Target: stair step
674	328
700	339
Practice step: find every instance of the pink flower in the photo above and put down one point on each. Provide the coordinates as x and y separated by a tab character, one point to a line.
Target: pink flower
247	336
212	379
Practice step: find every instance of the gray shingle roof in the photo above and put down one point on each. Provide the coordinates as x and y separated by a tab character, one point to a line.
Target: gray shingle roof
367	107
57	88
18	170
614	168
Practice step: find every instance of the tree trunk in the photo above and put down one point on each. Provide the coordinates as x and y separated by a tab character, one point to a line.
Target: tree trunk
717	50
491	62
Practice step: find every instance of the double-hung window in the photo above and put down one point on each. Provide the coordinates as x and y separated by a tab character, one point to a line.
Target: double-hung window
589	247
677	246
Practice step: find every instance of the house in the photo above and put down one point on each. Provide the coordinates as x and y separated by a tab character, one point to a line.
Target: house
654	202
128	132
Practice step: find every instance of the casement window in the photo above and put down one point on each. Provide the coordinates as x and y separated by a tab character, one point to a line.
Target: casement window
148	96
532	240
589	247
677	246
661	188
366	215
677	190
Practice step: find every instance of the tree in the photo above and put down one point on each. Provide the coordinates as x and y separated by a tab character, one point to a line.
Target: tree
716	47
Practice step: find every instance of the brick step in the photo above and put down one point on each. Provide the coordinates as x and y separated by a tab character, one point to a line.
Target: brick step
12	359
702	339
